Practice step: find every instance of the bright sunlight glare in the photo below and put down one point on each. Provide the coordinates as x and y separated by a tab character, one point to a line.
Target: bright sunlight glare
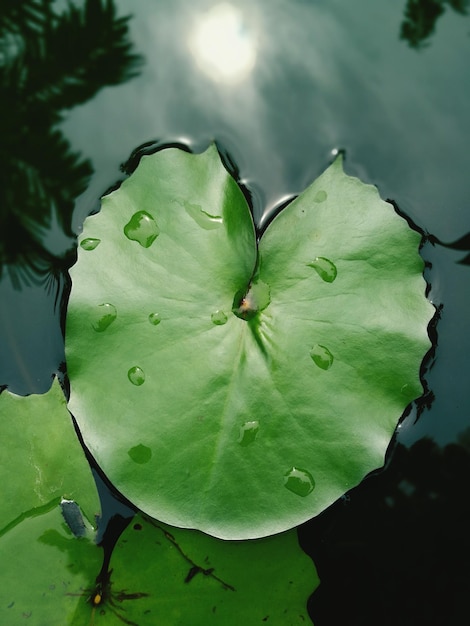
222	45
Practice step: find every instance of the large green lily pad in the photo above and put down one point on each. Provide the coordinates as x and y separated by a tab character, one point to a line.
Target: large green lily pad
242	411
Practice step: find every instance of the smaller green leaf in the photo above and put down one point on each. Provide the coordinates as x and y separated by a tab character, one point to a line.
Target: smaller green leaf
165	575
41	458
45	571
46	548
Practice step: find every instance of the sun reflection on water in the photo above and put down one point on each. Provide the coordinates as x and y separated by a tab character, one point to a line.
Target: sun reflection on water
223	45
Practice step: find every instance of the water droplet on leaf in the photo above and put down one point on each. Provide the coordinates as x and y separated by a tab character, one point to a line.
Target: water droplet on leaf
136	375
324	268
104	315
219	318
299	481
90	243
248	432
155	319
142	228
202	218
320	196
322	357
140	454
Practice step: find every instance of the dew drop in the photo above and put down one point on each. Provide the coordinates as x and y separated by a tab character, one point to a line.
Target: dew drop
324	268
103	316
142	228
140	454
248	433
320	196
136	376
299	481
155	319
202	218
219	318
90	243
322	357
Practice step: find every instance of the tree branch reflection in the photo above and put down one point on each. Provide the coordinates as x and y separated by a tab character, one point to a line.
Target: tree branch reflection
49	62
421	16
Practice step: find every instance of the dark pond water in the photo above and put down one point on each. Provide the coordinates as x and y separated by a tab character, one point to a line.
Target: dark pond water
280	85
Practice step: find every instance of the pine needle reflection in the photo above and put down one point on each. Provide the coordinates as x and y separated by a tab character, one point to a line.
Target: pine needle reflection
49	62
421	16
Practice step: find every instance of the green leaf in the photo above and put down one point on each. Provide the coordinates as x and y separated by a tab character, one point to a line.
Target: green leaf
41	459
159	575
163	575
46	486
45	571
242	409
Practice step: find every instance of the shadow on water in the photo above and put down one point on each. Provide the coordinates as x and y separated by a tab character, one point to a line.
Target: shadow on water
421	16
395	551
462	244
49	62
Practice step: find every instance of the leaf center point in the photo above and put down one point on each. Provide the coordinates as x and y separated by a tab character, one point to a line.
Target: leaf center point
247	304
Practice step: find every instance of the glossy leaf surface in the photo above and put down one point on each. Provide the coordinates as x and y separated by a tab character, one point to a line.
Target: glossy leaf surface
242	423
